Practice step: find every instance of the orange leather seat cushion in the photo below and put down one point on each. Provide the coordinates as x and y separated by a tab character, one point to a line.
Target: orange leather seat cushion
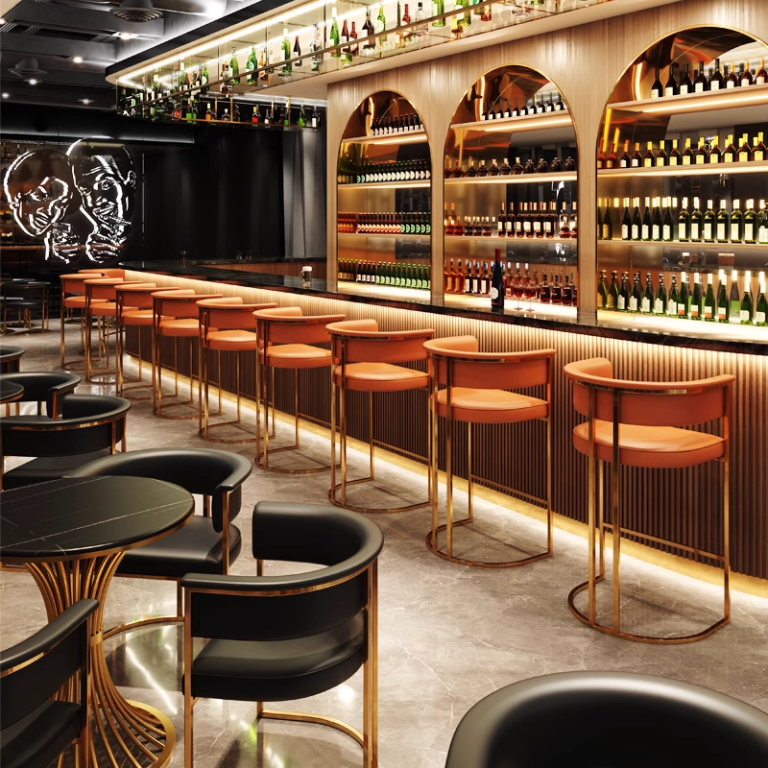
298	356
232	341
104	308
183	326
380	377
78	302
490	406
137	317
654	447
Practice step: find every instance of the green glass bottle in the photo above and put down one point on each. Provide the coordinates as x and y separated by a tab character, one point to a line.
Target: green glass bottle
710	303
252	65
660	304
737	223
636	297
285	49
750	222
684	222
204	79
761	307
722	299
646	303
734	310
697	299
747	314
683	303
602	292
302	118
646	225
234	68
674	297
438	9
612	301
381	24
335	37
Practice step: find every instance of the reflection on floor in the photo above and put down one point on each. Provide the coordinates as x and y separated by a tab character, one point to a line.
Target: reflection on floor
449	635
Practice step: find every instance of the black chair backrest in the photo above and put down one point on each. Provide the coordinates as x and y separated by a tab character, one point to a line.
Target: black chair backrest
61	649
44	387
344	542
88	423
609	719
217	474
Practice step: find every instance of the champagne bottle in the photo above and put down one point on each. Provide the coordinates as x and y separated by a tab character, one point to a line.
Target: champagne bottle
668	225
607	231
623	300
660	304
736	223
626	222
673	298
684	300
722	224
762	227
709	223
761	307
710	303
636	297
612	300
497	284
750	222
697	299
734	309
747	308
646	225
602	292
636	220
697	221
646	303
656	220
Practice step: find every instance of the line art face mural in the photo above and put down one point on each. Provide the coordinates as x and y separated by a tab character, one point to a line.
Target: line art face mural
79	203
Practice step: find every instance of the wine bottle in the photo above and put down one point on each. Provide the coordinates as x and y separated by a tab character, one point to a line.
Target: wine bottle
662	159
710	304
252	65
758	148
762	227
636	220
722	299
234	68
745	151
335	35
701	153
626	222
607	231
729	153
648	157
673	298
761	307
750	222
646	303
697	222
709	223
625	160
736	234
674	155
722	223
657	89
623	300
700	84
715	153
697	299
734	301
660	303
747	307
612	299
637	159
646	225
636	296
671	88
501	229
688	153
684	300
732	80
668	226
656	220
684	222
285	51
602	292
497	284
761	78
686	85
716	82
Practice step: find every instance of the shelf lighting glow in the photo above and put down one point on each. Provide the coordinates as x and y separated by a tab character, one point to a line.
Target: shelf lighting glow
697	102
524	124
687	170
394	139
382	185
517	178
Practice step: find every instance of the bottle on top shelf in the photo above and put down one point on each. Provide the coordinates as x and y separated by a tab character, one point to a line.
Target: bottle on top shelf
531	166
391	124
713	79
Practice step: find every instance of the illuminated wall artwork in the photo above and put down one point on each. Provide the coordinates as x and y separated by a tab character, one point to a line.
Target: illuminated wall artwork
78	203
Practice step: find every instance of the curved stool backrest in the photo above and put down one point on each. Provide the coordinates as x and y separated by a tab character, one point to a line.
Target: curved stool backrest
607	719
457	362
47	387
179	304
102	288
361	341
216	474
134	295
229	313
288	325
646	403
108	272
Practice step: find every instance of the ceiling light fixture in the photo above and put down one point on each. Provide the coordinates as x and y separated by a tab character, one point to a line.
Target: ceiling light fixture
6	95
85	101
32	81
28	69
137	11
126	36
78	59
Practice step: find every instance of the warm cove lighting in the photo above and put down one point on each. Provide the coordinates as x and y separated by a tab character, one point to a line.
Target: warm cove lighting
395	139
698	102
523	124
687	170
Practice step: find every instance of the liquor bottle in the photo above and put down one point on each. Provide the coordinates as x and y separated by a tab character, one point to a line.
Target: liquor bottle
529	167
623	300
252	65
625	160
657	89
234	68
758	149
335	36
497	284
380	25
710	304
602	292
656	220
762	227
715	153
645	229
636	161
747	307
708	234
517	168
684	299
750	222
745	151
736	234
297	50
612	299
701	153
494	169
722	224
723	308
660	302
285	50
649	158
700	84
208	113
671	87
686	85
545	291
697	298
696	221
662	159
607	229
688	158
482	171
471	170
675	158
668	225
626	222
646	302
761	306
734	300
501	228
636	297
673	298
636	220
761	78
505	169
556	291
729	153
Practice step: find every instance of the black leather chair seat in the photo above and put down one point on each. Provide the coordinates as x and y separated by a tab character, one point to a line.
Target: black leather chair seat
54	723
195	548
53	468
279	670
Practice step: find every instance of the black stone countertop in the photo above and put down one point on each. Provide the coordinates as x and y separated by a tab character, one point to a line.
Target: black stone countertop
615	329
78	518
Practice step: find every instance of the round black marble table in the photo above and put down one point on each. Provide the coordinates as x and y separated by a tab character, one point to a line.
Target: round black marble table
71	534
10	391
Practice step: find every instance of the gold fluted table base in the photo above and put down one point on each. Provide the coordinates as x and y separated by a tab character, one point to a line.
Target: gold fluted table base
121	732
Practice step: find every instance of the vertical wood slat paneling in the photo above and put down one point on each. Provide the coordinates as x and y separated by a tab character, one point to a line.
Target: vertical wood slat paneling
683	504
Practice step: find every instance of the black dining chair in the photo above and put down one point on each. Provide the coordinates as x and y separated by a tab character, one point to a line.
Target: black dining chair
208	543
89	427
44	387
34	728
27	298
282	638
10	355
596	719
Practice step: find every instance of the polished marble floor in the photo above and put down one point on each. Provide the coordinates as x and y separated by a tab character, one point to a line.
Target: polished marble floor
449	635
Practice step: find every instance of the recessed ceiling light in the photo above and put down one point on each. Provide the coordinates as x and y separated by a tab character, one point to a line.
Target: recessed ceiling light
3	21
126	36
78	59
85	101
32	81
6	95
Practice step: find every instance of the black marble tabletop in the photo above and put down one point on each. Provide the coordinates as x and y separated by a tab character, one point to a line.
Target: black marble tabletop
78	518
10	391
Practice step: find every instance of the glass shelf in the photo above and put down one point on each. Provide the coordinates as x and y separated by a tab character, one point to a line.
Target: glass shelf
730	98
511	240
424	236
706	169
388	185
407	137
518	124
527	178
715	246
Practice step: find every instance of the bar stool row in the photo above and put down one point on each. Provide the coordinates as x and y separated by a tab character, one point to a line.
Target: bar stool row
628	423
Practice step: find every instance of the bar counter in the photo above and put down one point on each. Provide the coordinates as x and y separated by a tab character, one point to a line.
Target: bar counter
680	504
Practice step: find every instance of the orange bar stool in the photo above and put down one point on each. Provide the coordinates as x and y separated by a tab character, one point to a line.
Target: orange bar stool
367	360
642	424
175	315
73	300
288	340
226	325
475	391
101	303
133	310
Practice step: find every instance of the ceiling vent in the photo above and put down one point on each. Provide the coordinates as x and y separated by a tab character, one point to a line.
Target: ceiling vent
138	11
28	69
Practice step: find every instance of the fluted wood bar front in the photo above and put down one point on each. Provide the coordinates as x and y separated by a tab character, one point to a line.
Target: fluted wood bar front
679	505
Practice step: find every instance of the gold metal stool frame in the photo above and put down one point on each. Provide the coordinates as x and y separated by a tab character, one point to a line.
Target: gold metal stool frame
598	526
339	405
93	285
265	374
448	361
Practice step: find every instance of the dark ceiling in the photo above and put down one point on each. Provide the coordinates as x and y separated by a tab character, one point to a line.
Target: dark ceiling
55	32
